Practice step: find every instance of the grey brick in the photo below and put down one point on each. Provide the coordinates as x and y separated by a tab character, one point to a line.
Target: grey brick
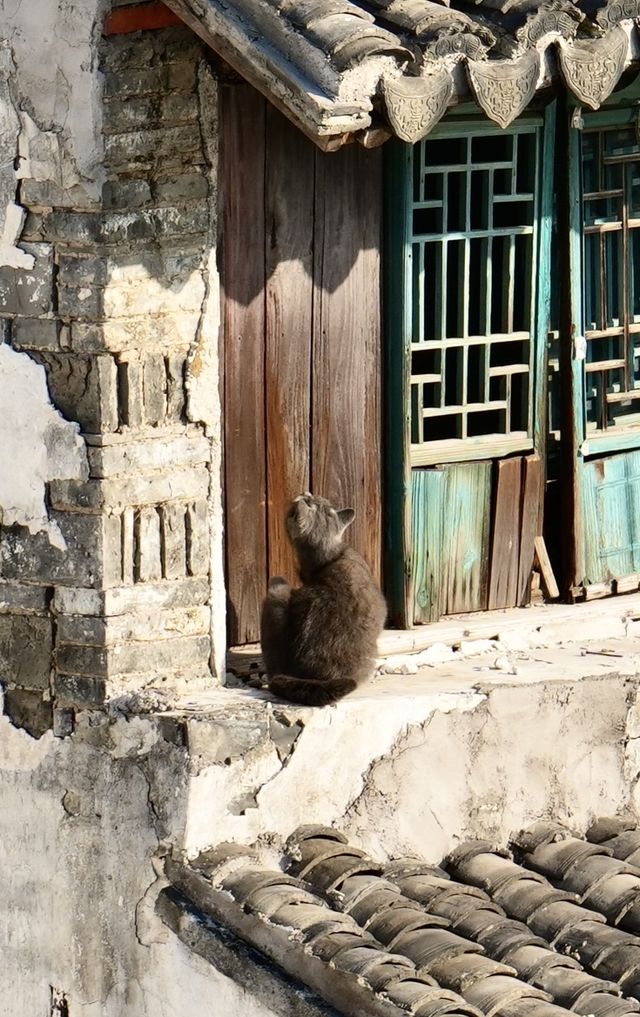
47	194
28	710
95	496
91	661
84	302
197	528
33	229
35	334
178	45
88	337
122	228
82	629
22	598
139	81
182	187
72	227
73	690
147	564
83	388
28	291
181	77
176	367
41	193
159	655
81	270
134	332
130	390
25	650
32	558
63	723
173	540
131	113
118	194
123	52
151	145
178	107
155	389
160	596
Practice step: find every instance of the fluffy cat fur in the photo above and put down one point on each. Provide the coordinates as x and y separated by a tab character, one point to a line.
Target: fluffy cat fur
319	640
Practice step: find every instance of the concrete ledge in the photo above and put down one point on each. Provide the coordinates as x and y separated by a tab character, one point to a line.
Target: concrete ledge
537	626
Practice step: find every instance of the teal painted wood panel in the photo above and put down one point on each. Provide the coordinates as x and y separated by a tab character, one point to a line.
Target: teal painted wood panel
427	520
466	536
633	499
451	508
608	533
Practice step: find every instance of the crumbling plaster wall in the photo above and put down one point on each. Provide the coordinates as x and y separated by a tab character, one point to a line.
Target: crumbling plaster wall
409	766
54	56
37	445
80	823
412	766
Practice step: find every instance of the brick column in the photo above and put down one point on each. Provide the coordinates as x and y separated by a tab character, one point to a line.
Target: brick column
121	310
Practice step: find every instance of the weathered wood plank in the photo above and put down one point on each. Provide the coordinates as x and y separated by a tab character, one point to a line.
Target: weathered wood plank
140	17
548	576
397	310
633	502
346	403
242	155
466	535
608	537
530	522
427	517
505	540
289	302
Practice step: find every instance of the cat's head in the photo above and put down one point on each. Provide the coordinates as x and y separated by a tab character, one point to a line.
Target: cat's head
313	524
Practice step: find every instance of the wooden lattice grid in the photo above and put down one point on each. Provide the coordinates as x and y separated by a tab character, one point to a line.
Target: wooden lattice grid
473	255
611	223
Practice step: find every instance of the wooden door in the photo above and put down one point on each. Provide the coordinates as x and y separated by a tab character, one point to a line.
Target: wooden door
469	225
300	268
604	372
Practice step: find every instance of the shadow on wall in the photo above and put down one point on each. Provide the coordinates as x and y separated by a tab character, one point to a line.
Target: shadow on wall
300	265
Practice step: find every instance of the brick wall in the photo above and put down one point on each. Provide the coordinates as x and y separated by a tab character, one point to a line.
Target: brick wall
115	310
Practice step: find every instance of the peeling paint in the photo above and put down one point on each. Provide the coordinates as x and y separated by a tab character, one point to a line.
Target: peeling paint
59	92
11	215
42	156
37	445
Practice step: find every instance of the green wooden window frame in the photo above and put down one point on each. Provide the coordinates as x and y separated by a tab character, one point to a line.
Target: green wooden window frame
472	229
610	201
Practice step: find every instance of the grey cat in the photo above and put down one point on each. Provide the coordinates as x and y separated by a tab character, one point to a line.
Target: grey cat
319	640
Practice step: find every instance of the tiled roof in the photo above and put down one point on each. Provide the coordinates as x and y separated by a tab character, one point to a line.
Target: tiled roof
550	928
339	67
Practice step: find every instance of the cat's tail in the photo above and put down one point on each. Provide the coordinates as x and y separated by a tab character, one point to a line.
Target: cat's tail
310	691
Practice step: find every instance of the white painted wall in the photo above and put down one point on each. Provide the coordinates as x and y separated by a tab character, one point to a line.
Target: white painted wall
36	445
57	88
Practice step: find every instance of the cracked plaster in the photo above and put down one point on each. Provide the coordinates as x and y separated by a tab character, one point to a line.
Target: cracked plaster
37	445
50	110
59	94
404	766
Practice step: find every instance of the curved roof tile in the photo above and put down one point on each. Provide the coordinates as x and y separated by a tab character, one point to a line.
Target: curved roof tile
339	67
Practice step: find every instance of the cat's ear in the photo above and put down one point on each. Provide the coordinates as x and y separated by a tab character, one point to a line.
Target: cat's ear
346	517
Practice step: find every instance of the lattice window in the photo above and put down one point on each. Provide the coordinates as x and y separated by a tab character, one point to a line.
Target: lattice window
474	226
611	207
